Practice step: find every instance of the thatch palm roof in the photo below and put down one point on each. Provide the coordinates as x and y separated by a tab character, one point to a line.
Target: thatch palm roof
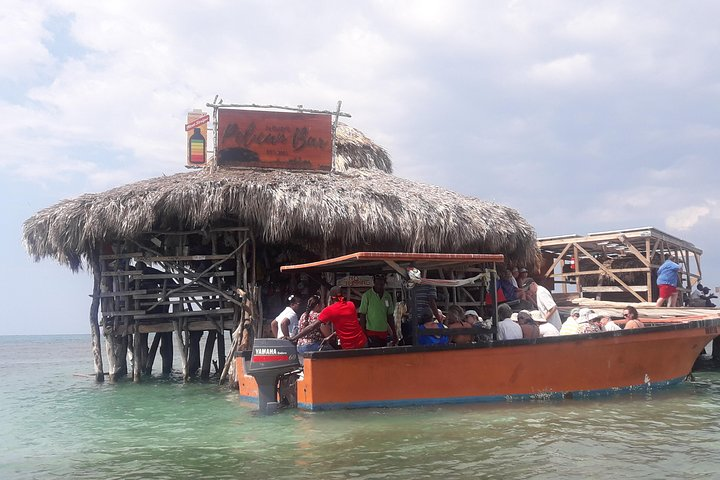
358	209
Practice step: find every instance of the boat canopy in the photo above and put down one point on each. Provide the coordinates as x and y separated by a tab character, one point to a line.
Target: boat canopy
363	262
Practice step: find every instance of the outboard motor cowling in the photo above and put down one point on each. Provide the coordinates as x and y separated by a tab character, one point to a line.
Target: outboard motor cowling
270	359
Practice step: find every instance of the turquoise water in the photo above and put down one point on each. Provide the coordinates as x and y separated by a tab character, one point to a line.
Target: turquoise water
58	423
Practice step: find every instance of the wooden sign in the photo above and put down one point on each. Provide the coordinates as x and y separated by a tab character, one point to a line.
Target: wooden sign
250	138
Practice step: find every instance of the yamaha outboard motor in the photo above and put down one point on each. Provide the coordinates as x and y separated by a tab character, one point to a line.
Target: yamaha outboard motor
270	359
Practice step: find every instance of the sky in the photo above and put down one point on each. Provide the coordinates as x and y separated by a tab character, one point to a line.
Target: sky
583	116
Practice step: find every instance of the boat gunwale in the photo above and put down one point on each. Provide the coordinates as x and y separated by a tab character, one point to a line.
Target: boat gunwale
683	324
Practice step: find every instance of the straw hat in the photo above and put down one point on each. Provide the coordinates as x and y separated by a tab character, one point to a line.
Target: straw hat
537	316
585	315
513	317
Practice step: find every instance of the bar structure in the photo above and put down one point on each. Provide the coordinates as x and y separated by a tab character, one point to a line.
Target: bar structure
179	261
619	265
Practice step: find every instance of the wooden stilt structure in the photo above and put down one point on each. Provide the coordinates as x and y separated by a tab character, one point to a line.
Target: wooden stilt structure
95	327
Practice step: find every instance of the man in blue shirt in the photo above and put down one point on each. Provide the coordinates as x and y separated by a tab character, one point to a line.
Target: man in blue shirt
667	278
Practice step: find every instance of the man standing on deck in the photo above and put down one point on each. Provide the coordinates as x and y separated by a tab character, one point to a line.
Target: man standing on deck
376	314
667	279
545	303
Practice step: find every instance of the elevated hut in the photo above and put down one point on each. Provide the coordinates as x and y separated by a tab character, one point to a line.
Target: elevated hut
198	253
619	265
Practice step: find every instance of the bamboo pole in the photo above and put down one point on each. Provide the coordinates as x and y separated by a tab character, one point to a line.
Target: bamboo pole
95	325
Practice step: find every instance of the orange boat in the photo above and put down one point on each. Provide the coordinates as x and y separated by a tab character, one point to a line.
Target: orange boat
556	367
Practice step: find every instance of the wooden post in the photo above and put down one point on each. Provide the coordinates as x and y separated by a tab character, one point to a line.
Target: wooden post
194	352
147	370
207	354
221	350
183	348
137	362
95	325
166	352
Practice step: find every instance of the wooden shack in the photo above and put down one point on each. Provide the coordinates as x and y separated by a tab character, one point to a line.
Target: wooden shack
197	254
618	265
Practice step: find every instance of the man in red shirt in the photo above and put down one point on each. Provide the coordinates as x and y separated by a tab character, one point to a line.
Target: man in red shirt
343	316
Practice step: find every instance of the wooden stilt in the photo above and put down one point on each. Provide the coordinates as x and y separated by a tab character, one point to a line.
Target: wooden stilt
137	357
194	353
147	370
166	352
207	354
183	349
221	350
95	325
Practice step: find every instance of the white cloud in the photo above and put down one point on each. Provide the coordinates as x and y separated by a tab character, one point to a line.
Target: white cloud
686	218
573	70
21	40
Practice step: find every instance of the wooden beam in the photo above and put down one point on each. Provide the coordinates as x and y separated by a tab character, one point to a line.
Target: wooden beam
610	273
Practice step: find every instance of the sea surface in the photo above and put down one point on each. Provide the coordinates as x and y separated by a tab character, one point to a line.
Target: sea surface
56	422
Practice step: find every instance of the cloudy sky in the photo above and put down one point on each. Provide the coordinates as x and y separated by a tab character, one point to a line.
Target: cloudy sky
584	116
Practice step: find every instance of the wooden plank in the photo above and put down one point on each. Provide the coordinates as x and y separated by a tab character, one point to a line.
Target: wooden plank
183	258
642	288
118	256
123	313
139	276
181	295
194	313
121	294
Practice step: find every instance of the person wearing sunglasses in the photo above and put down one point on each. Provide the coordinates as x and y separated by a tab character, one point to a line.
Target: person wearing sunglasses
630	314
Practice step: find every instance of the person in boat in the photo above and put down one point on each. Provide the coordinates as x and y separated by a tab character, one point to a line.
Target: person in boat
455	320
422	308
376	314
285	324
546	329
527	325
522	276
313	341
589	323
507	329
667	278
570	326
544	302
515	273
630	314
343	316
507	286
608	325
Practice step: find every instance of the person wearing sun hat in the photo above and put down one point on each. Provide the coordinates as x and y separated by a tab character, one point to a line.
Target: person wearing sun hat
546	329
592	325
570	326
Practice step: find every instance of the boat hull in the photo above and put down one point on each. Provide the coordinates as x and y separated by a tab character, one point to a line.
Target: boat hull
569	366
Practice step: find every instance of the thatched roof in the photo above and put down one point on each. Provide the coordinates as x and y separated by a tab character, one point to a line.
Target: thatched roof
359	209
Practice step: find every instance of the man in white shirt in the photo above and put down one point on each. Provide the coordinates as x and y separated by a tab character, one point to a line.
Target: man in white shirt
546	329
544	301
507	329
